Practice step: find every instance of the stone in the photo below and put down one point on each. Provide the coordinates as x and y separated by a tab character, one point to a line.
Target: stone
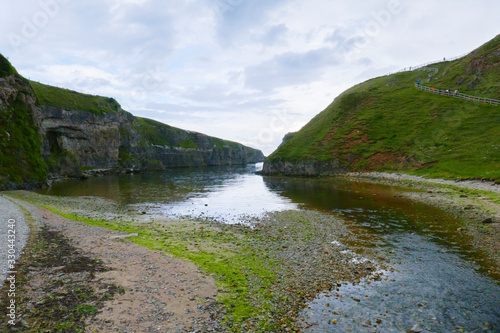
415	329
124	236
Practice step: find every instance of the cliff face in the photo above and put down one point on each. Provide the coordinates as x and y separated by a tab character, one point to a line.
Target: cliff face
21	164
79	140
51	132
305	168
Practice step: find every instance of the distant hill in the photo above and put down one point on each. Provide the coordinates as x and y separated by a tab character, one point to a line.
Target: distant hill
49	132
387	124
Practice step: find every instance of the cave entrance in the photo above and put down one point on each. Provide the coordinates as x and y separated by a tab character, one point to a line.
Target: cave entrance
53	143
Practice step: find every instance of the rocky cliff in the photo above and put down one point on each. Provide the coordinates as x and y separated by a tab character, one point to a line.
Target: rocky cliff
21	162
120	141
51	132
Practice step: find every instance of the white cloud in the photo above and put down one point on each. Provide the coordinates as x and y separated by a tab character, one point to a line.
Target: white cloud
242	70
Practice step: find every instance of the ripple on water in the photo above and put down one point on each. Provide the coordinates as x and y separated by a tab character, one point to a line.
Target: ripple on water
436	290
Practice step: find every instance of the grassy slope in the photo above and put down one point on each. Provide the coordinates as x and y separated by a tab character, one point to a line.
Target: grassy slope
6	68
72	100
164	135
20	145
387	124
153	131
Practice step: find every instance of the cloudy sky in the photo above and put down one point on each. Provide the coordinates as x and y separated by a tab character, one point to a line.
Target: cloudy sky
243	70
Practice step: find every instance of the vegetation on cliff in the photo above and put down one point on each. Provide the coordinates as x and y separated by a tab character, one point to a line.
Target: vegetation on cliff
46	130
72	100
161	134
387	124
6	68
20	144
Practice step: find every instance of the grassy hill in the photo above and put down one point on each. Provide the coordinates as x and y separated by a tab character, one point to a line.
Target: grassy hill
72	100
387	124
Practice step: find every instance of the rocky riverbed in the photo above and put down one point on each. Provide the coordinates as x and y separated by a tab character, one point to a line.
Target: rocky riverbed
184	275
476	203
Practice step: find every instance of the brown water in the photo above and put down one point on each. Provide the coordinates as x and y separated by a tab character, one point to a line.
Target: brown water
441	283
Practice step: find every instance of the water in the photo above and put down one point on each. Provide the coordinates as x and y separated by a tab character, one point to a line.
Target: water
440	282
225	194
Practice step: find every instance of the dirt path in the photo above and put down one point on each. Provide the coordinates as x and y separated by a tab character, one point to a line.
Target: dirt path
16	230
162	294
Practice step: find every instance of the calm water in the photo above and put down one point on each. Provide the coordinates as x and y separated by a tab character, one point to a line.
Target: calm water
440	283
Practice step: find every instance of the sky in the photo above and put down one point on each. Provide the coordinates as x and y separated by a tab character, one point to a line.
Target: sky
243	70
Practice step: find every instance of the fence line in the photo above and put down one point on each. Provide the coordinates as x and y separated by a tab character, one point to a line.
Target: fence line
422	66
456	94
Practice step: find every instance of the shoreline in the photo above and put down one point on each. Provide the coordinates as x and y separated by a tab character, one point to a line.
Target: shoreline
475	203
256	279
493	186
103	282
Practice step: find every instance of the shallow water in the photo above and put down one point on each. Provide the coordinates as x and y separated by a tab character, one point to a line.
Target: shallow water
225	194
440	283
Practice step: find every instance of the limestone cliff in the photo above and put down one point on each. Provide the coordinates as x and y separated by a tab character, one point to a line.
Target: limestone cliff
52	132
120	141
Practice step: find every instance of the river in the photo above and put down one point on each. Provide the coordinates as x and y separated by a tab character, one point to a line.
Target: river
440	284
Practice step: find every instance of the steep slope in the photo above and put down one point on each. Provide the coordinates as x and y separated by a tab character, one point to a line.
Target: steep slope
20	144
54	132
387	124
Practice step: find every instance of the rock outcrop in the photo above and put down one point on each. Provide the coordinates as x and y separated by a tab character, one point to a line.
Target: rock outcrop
306	168
40	137
21	163
120	141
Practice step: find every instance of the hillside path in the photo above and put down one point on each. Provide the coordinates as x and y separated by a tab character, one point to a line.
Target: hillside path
11	212
447	92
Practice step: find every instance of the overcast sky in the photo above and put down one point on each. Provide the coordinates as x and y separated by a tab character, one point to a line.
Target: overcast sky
244	70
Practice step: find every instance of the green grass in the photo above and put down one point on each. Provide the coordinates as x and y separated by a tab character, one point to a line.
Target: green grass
20	145
6	68
161	134
157	133
72	100
418	132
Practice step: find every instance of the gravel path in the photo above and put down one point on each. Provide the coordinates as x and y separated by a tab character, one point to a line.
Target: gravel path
10	211
473	184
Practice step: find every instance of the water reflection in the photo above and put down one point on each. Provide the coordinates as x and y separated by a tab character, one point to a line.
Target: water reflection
438	285
226	194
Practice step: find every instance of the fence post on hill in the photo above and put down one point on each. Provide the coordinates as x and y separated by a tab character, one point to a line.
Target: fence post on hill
458	95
